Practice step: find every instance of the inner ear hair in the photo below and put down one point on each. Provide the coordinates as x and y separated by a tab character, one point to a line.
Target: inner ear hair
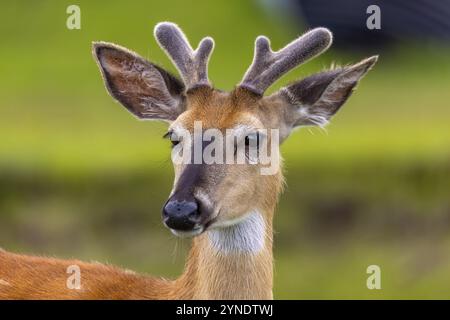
317	98
145	89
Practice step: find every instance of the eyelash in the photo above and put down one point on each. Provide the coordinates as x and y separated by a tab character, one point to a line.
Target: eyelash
168	135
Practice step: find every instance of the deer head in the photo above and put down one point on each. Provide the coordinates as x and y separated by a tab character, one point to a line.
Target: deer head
209	196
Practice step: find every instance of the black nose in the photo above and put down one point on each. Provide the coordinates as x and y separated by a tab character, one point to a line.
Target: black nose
181	215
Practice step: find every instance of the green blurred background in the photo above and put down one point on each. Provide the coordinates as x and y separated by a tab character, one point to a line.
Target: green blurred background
80	177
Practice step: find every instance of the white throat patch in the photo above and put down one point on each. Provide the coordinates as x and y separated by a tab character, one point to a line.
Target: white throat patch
246	236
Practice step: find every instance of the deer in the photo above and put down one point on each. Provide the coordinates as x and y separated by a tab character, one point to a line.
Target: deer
227	209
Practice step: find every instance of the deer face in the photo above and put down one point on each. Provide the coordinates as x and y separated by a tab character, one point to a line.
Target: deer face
221	192
219	138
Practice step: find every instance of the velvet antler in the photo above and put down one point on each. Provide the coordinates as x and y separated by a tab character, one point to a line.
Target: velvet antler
269	66
192	65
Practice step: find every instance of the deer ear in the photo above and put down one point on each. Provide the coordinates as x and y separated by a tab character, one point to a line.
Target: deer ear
146	90
315	99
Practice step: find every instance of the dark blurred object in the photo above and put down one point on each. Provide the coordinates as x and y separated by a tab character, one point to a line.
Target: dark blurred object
400	19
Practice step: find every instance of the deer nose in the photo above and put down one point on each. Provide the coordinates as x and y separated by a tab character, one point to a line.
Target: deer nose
181	215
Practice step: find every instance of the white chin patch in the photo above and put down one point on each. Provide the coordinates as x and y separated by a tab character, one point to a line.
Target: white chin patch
187	234
245	236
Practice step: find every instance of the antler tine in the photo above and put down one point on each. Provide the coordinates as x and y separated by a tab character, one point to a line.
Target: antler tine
192	65
269	66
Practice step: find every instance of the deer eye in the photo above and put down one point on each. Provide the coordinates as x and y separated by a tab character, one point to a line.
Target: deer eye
252	139
174	139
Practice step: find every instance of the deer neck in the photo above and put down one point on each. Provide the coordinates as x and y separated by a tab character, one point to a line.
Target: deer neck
233	262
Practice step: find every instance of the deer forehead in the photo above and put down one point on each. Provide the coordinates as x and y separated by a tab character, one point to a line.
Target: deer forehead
219	114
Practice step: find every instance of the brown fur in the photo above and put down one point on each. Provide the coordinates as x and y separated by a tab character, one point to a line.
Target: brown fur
228	277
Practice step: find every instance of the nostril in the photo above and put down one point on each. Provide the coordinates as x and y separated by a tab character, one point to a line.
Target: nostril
181	215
